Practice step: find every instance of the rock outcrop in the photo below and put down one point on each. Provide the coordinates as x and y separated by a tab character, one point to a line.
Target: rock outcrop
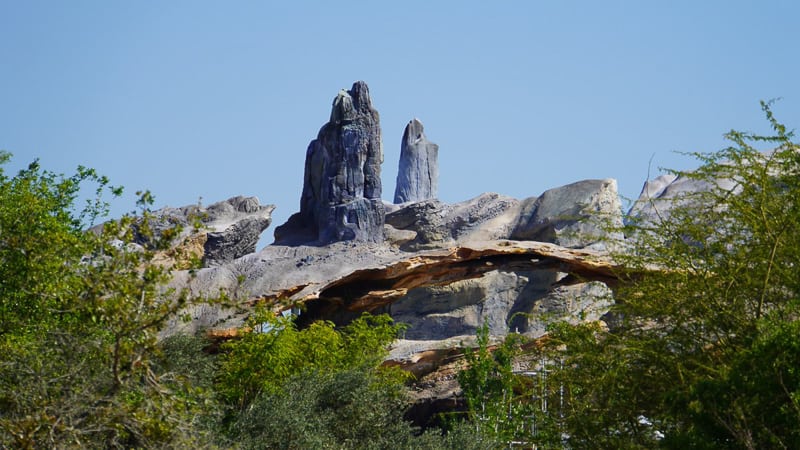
214	235
342	281
577	215
418	171
235	227
341	198
442	269
438	224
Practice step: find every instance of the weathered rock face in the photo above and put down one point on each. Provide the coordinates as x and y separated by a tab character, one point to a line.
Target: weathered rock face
426	219
239	238
216	234
418	172
523	301
341	198
343	279
437	224
574	215
447	268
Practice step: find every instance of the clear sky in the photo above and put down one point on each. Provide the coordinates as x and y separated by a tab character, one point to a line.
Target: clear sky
214	99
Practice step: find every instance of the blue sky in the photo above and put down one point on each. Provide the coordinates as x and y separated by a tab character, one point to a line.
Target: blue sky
210	99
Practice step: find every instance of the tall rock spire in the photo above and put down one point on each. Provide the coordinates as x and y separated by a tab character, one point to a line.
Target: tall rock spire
418	173
341	198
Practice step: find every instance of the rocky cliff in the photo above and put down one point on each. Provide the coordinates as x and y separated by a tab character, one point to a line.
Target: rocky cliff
443	269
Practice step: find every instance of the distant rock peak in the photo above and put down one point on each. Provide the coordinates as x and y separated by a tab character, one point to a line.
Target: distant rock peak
341	198
418	171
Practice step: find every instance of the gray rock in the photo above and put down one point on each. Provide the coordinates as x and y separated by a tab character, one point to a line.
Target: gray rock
341	198
398	238
460	308
232	226
574	216
439	224
663	193
426	219
272	269
418	172
483	218
577	215
235	241
524	302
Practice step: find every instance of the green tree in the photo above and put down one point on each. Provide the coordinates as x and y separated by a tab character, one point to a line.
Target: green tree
501	404
79	317
702	319
321	387
316	409
755	403
276	350
261	366
345	409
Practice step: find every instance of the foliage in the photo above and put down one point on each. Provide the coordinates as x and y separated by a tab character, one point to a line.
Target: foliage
757	399
513	392
343	409
79	317
322	387
702	353
38	234
277	350
499	403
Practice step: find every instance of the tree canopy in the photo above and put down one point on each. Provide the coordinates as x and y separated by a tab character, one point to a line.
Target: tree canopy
702	351
79	316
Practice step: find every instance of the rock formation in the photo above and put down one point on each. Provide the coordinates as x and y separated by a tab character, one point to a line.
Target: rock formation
438	224
460	292
418	172
235	226
341	198
216	234
576	215
334	290
661	194
443	269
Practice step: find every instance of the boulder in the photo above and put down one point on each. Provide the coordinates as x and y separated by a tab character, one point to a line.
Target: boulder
661	194
216	234
426	219
341	199
418	172
575	216
486	217
437	224
235	241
